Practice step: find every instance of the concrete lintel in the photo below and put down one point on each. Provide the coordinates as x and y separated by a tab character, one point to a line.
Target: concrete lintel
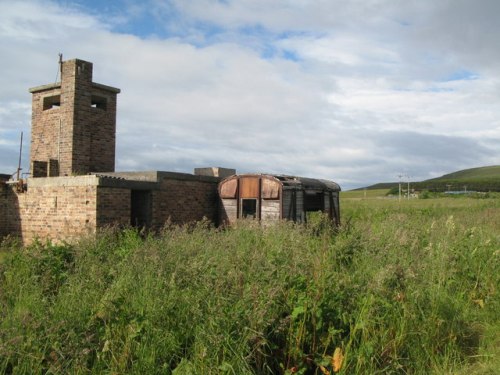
157	176
106	88
215	172
151	176
186	177
50	86
91	180
57	85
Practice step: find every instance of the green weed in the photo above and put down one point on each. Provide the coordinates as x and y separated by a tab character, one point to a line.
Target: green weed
403	288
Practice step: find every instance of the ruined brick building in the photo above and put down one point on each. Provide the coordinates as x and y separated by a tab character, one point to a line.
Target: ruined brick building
72	189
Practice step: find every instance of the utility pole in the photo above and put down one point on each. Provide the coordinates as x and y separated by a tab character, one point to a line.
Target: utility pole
408	177
400	176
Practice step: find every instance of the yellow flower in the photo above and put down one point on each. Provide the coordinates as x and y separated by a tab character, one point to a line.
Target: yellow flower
324	370
479	302
337	359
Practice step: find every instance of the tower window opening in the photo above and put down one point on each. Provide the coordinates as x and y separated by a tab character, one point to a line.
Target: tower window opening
98	102
51	102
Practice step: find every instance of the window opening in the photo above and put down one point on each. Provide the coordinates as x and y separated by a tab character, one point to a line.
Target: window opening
249	208
314	201
98	102
50	102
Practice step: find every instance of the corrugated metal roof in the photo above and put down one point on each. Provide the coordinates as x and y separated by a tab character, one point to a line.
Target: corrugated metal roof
309	183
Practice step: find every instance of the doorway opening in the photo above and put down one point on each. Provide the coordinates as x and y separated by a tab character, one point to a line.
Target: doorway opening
249	208
140	208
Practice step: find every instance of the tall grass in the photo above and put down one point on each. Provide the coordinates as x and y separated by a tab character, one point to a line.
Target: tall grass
401	288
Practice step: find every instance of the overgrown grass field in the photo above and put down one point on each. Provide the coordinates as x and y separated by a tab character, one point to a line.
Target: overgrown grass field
364	194
400	288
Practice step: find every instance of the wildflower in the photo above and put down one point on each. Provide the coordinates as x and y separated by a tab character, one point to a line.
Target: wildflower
479	302
450	223
337	359
399	296
324	370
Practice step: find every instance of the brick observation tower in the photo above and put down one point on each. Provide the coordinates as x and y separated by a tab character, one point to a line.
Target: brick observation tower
73	129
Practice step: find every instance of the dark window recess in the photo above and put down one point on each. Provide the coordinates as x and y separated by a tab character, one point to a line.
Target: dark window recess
50	102
39	168
314	201
140	212
249	208
99	102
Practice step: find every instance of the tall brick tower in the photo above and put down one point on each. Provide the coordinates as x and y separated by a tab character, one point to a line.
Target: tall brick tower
73	127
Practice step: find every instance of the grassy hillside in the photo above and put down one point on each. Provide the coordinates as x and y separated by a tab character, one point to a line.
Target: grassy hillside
481	179
379	186
408	288
491	172
475	179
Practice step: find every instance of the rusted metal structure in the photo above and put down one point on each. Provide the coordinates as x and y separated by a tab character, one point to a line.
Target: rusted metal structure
271	198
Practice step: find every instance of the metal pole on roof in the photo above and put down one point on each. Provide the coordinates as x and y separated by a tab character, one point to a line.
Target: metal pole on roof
59	69
20	155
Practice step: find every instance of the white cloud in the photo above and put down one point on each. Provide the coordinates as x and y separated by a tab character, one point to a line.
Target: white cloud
333	90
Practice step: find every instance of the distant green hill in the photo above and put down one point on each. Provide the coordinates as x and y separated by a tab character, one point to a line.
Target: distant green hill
472	173
380	185
473	179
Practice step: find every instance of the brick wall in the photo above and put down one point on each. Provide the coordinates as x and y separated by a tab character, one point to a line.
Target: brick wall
184	201
52	211
113	207
6	211
62	208
94	120
3	209
101	125
51	136
66	208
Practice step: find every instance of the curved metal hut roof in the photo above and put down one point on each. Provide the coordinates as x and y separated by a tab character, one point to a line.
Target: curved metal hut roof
309	183
294	181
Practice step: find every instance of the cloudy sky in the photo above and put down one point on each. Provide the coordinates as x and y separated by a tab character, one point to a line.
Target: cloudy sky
353	91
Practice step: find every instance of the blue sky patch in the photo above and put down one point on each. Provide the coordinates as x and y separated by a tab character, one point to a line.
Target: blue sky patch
290	55
461	75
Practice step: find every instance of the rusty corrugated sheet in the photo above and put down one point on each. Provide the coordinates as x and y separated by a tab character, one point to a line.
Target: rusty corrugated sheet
270	188
228	189
249	187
